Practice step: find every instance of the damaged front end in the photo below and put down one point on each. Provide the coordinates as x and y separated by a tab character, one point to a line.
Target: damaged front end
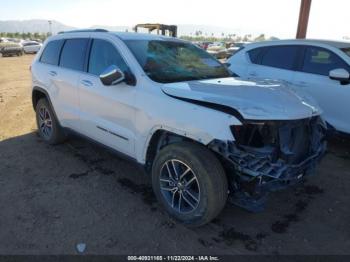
268	156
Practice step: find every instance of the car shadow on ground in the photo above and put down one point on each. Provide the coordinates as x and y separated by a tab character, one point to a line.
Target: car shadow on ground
78	189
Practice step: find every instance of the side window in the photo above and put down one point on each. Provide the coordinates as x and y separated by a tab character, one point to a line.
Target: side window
255	55
73	54
282	57
104	54
51	54
321	61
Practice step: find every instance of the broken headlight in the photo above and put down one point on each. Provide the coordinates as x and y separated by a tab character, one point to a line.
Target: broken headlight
256	134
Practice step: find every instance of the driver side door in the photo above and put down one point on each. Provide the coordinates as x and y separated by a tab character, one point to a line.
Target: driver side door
331	95
106	112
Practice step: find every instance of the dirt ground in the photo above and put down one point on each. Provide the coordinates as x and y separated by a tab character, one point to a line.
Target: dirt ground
54	197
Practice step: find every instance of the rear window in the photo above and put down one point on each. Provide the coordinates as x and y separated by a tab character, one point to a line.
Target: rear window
282	57
255	55
51	53
73	54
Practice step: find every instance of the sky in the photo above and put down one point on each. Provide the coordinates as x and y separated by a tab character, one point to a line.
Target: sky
328	19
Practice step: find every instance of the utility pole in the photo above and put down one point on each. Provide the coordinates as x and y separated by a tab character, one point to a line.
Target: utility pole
303	18
50	27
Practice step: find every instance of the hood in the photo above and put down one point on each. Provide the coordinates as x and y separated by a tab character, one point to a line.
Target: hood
254	100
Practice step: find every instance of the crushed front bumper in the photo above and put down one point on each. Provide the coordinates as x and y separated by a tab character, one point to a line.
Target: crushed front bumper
255	171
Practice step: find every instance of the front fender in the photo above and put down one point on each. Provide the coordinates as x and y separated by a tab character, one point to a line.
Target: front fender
203	131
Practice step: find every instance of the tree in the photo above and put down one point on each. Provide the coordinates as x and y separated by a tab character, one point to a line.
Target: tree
245	38
260	38
36	35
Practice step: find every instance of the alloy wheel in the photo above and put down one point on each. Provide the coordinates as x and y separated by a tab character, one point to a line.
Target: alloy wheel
179	186
45	122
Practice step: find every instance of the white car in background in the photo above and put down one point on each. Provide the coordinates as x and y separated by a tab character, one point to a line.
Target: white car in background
218	50
235	47
319	68
32	47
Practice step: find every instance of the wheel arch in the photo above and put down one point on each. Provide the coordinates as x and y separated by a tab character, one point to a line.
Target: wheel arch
39	93
162	137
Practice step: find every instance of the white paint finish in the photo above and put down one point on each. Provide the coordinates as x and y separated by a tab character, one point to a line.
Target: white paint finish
331	95
107	108
339	73
256	100
32	48
65	96
60	84
158	111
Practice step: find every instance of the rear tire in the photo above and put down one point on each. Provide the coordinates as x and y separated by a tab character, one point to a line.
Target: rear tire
48	126
204	198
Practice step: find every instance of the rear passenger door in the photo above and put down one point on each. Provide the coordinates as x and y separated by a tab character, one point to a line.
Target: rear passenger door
66	78
273	62
107	112
59	82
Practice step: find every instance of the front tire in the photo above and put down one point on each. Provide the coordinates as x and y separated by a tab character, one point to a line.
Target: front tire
48	126
190	182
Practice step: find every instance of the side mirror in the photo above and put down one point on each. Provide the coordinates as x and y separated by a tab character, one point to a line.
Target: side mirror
112	76
340	74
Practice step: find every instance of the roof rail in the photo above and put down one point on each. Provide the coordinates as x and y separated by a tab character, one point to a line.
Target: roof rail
84	31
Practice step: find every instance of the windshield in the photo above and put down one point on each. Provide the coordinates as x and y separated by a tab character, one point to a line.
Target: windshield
175	61
346	50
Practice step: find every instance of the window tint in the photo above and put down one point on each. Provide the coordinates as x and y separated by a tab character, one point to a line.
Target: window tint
321	61
280	56
51	54
104	54
255	55
73	54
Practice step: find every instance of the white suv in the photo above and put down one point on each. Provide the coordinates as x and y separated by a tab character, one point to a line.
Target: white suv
202	134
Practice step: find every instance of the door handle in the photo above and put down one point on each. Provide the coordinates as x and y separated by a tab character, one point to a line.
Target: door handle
87	83
253	74
53	73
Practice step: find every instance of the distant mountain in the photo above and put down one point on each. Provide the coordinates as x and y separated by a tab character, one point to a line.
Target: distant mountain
32	26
